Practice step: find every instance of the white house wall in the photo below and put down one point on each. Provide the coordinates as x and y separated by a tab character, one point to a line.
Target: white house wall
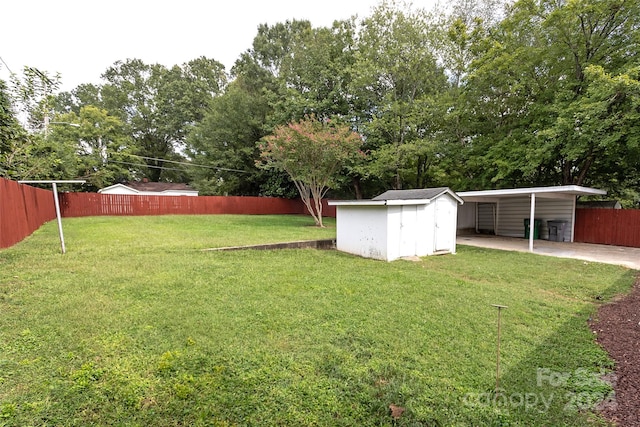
171	193
486	217
121	190
513	210
362	230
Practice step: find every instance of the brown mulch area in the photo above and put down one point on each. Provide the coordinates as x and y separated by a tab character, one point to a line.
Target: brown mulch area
618	332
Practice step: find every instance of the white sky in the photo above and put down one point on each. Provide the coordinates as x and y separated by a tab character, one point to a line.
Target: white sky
80	39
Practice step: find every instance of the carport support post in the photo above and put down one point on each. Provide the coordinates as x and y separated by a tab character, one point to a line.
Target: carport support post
531	221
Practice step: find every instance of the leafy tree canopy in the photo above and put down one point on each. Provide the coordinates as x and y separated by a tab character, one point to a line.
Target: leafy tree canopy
312	152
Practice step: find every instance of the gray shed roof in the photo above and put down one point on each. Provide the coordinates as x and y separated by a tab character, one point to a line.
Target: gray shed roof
422	196
418	194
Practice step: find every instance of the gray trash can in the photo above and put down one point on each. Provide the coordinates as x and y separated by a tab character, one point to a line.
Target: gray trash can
556	230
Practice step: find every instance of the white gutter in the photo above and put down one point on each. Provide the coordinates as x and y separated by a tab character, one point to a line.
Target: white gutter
357	202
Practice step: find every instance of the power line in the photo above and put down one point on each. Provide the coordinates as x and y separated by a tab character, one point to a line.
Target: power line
146	166
6	65
190	164
172	169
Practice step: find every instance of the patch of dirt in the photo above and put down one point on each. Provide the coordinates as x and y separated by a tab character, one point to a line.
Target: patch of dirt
618	331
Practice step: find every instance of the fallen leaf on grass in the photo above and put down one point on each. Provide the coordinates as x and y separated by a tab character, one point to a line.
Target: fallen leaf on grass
396	411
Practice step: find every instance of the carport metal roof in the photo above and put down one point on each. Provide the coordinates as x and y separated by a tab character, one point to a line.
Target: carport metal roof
558	192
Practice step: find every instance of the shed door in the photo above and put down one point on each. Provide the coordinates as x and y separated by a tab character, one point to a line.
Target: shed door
408	226
445	224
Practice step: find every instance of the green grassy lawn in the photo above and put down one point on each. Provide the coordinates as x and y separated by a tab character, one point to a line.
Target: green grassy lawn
137	326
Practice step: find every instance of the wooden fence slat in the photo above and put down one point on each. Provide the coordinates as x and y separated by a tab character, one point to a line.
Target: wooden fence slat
619	227
93	204
23	209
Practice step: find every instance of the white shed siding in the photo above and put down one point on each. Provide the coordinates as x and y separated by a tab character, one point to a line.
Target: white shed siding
394	228
513	211
393	238
362	231
409	230
425	229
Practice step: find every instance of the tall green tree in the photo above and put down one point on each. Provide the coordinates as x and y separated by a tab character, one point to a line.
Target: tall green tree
103	151
530	84
83	95
159	106
260	97
225	142
32	154
266	68
33	95
317	74
395	78
14	144
460	33
603	126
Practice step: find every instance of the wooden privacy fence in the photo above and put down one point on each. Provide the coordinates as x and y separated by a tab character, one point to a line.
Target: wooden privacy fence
608	226
94	204
23	209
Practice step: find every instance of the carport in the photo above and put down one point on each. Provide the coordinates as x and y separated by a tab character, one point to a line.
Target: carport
504	212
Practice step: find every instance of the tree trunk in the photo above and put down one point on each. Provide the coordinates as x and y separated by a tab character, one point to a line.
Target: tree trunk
307	193
357	188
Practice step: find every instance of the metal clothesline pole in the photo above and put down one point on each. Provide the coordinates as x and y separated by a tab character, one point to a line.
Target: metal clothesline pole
56	201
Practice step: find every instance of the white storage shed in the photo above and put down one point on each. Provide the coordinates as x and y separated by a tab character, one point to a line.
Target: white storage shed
398	223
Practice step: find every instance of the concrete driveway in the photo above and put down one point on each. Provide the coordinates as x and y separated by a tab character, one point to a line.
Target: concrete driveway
619	255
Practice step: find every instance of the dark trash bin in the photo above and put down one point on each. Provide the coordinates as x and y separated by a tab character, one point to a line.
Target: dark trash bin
537	224
556	230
